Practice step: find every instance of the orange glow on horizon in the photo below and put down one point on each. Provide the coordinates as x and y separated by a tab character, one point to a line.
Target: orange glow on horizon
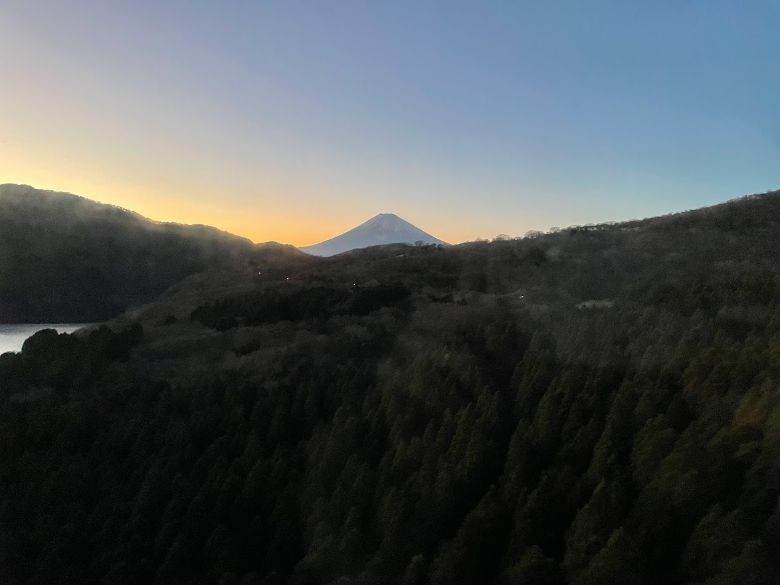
196	207
186	203
164	208
254	224
161	199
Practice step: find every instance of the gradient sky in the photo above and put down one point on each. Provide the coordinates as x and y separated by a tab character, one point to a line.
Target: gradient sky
293	121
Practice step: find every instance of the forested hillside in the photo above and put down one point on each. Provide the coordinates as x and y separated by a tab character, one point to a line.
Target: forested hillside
596	405
64	258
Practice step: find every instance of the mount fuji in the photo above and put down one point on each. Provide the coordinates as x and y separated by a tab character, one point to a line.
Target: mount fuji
385	228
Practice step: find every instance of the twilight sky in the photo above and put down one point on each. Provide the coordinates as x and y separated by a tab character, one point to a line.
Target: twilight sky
293	121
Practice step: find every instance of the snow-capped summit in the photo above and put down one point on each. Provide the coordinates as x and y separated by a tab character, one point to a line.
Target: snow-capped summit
385	228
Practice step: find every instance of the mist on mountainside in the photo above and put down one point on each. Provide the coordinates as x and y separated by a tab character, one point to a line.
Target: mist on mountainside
64	258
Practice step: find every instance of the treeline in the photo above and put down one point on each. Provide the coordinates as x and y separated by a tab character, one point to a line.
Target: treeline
464	423
309	302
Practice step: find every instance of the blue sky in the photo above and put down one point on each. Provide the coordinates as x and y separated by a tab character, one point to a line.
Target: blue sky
296	120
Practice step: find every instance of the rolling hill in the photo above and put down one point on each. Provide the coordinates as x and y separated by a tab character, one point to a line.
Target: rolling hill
64	258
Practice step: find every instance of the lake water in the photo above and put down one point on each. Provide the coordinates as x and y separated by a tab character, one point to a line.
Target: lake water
13	336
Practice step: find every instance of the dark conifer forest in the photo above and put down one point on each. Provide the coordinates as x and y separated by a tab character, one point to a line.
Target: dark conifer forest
596	405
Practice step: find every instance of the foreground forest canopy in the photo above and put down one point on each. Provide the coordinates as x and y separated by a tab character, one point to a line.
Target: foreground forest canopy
597	405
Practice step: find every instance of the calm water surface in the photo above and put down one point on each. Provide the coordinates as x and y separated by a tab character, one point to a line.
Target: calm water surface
13	336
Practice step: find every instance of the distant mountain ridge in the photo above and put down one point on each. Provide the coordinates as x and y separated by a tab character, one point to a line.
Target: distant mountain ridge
67	258
385	228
